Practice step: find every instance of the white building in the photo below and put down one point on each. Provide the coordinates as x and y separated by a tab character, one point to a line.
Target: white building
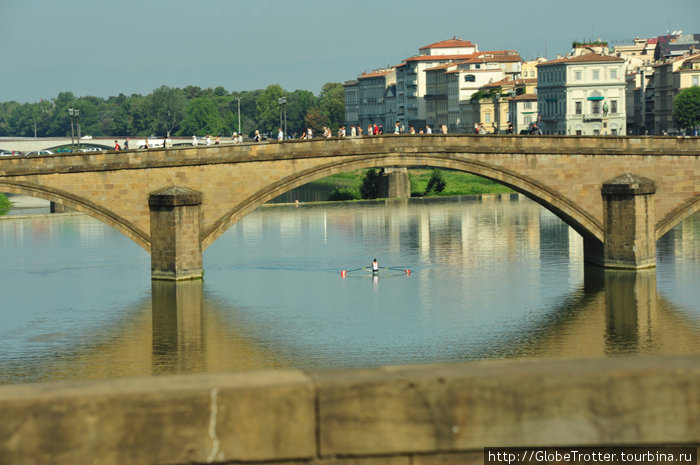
411	85
582	95
522	112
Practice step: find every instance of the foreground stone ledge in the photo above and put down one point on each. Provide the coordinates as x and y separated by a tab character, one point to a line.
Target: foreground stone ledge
161	420
412	415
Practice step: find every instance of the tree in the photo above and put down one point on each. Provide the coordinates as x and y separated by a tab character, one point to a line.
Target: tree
316	120
370	184
332	103
436	183
203	117
298	104
166	107
268	108
686	108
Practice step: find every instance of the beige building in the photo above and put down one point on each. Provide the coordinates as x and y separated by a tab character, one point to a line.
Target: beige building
582	95
522	112
366	98
669	79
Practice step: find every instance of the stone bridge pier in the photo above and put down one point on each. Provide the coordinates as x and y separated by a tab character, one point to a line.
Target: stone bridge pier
176	244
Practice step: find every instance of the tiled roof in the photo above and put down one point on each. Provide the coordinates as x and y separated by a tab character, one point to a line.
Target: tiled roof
524	97
586	58
375	73
449	43
439	57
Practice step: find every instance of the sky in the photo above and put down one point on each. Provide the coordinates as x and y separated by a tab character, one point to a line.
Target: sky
107	47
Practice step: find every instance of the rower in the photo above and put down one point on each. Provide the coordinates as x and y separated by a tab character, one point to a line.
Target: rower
375	266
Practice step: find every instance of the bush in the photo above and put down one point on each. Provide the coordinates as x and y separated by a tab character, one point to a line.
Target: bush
4	203
343	193
370	184
436	183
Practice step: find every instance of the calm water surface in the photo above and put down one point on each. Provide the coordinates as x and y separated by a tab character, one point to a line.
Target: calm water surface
490	278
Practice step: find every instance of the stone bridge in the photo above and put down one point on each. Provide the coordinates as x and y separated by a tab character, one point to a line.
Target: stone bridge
620	193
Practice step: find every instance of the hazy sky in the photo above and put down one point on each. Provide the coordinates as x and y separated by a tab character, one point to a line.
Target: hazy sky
107	47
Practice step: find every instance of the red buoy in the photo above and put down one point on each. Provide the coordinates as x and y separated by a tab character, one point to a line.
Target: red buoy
343	273
408	272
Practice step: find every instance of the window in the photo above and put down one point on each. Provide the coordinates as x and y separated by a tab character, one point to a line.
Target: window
578	106
596	74
528	105
595	107
695	80
469	78
577	75
596	132
613	106
613	132
613	73
578	132
487	117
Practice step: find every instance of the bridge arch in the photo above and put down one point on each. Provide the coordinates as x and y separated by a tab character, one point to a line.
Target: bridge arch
82	205
573	215
676	216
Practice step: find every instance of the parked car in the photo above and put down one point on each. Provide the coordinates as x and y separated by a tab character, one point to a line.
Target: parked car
41	152
10	153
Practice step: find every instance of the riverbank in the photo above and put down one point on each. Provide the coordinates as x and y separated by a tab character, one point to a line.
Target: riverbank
456	183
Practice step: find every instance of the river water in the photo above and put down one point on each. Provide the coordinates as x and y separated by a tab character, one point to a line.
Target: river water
491	277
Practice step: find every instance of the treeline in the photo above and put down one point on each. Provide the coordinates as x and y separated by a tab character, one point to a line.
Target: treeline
177	112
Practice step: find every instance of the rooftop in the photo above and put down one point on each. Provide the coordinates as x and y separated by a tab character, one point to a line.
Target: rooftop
449	43
586	58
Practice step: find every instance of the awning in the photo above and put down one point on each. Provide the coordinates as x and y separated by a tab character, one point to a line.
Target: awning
595	98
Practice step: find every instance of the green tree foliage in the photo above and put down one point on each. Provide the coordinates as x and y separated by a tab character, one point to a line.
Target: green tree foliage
370	184
332	103
686	108
186	111
316	120
167	109
203	117
268	109
436	183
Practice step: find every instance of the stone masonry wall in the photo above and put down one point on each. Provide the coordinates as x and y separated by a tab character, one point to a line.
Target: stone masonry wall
391	415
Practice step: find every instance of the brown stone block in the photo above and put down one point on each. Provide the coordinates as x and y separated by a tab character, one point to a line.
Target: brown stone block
412	410
169	420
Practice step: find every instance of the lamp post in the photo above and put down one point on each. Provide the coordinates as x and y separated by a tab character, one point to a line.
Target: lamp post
283	109
77	123
239	115
71	114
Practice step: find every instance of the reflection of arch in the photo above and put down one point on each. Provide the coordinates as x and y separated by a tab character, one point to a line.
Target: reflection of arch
580	220
106	216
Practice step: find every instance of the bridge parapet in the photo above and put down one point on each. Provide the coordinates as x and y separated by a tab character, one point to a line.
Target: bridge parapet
385	416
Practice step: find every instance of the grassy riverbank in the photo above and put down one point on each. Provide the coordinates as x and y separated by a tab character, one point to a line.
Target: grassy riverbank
4	204
457	183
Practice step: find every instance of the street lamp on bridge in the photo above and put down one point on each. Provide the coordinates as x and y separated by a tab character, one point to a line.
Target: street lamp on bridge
283	110
74	114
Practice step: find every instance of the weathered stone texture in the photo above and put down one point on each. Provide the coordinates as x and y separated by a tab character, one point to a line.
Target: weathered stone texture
443	414
565	174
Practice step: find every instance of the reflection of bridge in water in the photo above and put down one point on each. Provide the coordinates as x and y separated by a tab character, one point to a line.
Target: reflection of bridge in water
615	312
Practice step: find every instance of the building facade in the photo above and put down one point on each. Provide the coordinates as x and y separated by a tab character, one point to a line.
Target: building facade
582	95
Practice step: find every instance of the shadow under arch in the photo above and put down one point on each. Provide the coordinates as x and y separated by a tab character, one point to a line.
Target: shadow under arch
676	216
580	220
102	214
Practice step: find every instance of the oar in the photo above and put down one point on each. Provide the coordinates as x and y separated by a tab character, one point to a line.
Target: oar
343	273
405	270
